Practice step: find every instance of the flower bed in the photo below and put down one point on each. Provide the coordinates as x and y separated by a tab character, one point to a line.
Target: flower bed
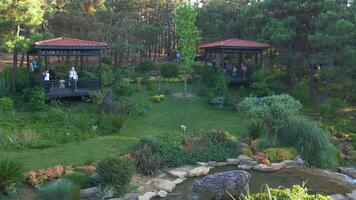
50	174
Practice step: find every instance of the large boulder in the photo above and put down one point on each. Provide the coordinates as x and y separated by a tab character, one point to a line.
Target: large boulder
352	195
217	184
199	171
263	168
338	197
163	184
232	161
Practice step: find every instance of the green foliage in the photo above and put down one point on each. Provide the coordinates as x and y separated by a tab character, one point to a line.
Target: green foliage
147	159
219	94
296	192
255	129
11	172
330	106
6	104
109	124
279	154
106	60
146	66
311	142
301	92
169	70
122	89
264	82
274	110
211	151
34	99
105	192
209	76
61	189
80	179
115	172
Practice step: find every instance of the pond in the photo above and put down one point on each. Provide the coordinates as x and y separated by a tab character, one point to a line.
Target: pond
314	180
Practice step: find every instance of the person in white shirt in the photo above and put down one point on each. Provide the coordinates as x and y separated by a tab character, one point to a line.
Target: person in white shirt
46	75
73	77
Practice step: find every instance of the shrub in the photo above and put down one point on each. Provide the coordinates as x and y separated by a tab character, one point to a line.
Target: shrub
109	124
255	129
219	94
264	82
105	192
35	99
296	192
203	91
123	89
61	189
301	92
209	152
158	98
311	142
115	172
218	136
84	122
11	172
145	66
331	106
147	159
209	76
218	101
6	104
79	178
279	154
169	70
273	111
198	67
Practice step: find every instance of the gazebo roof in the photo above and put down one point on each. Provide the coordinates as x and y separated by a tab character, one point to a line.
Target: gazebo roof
234	43
70	43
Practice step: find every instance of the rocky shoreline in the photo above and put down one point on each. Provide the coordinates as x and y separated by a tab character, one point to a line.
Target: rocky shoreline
165	182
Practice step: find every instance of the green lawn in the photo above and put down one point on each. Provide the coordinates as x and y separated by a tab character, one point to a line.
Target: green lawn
194	112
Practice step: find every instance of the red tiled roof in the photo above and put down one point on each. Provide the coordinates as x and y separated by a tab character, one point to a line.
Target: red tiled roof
235	43
70	42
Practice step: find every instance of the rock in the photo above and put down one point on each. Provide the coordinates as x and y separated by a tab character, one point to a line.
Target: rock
278	166
202	163
299	161
217	184
198	171
244	167
251	162
88	193
218	164
162	193
176	173
163	184
351	195
348	171
244	158
211	163
232	161
147	196
179	181
263	168
289	163
128	196
338	197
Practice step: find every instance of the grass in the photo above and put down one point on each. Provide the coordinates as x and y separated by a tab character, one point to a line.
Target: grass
164	117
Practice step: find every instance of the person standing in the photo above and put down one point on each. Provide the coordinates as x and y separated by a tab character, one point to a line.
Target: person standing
73	77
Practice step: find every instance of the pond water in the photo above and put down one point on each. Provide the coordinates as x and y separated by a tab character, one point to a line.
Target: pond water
315	181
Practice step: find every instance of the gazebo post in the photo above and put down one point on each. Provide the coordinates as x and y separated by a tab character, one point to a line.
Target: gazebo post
205	57
256	59
222	58
100	69
240	58
261	59
81	63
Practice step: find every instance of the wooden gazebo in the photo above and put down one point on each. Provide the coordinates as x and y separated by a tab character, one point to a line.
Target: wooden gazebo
233	46
68	47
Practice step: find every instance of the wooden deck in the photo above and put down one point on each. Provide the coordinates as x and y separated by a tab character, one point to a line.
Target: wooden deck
69	88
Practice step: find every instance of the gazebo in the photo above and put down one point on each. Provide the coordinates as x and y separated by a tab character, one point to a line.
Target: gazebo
63	46
233	46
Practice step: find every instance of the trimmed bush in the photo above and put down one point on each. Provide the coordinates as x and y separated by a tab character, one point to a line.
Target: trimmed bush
6	104
115	172
61	189
11	172
80	179
311	142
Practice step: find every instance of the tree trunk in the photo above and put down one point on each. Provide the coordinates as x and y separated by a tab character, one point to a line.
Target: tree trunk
14	72
22	59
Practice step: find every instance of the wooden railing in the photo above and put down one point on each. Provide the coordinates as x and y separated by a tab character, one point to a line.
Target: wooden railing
71	87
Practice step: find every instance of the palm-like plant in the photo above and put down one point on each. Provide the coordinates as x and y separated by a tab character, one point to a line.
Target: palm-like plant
10	173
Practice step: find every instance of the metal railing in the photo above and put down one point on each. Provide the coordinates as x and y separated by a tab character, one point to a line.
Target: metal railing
66	86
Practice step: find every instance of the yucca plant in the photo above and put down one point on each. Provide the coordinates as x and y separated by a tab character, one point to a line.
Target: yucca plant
11	172
61	189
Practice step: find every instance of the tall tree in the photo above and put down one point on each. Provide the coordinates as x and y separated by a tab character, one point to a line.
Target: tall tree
22	19
188	35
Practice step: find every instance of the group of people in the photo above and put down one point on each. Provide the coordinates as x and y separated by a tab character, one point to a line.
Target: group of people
50	74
